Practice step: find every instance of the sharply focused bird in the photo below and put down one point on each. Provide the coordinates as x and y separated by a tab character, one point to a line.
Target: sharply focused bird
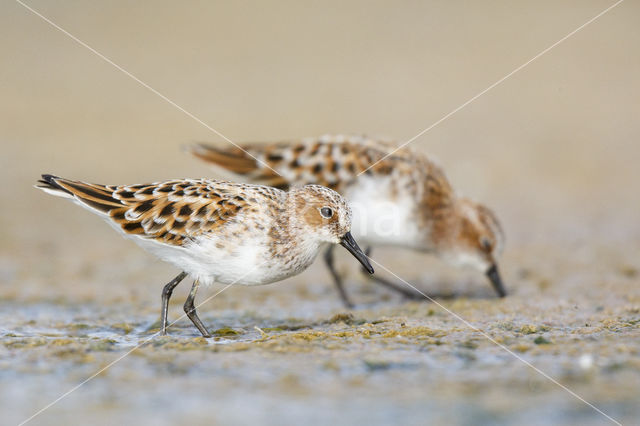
215	231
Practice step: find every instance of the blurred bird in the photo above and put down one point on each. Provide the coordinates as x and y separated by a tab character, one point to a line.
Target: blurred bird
403	199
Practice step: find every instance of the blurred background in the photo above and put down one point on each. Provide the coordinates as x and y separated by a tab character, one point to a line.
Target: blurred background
553	150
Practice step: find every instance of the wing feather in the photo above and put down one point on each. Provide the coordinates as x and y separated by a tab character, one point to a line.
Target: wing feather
171	212
332	161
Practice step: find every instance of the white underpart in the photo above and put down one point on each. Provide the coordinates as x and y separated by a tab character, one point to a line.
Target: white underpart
55	192
63	194
202	259
382	217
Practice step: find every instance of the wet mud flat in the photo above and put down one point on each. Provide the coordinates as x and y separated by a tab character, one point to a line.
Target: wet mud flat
553	151
290	354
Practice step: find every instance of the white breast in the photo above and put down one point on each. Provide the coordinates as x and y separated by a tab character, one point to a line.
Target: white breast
220	257
383	214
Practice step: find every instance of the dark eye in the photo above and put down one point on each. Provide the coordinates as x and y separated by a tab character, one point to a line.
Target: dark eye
486	244
326	212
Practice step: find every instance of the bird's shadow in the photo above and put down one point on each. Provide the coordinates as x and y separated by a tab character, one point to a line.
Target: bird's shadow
419	293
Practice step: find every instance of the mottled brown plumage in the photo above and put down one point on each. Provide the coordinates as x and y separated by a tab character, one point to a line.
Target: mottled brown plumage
169	212
331	161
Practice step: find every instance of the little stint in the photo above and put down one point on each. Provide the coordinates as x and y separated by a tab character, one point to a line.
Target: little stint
216	231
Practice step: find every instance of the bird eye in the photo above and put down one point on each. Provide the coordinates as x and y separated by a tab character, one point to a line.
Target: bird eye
326	212
486	243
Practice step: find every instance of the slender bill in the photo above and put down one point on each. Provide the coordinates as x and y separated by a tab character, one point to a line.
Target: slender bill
350	244
496	281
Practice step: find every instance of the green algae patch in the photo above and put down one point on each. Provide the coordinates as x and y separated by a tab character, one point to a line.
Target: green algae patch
158	341
540	340
419	331
271	329
155	327
61	342
285	346
620	324
226	331
344	334
191	344
172	343
75	354
307	336
505	325
521	347
366	333
78	326
294	327
380	321
469	344
376	365
304	341
123	327
104	345
287	327
345	318
26	343
532	329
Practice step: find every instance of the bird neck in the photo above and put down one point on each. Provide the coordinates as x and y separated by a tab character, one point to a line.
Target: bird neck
292	241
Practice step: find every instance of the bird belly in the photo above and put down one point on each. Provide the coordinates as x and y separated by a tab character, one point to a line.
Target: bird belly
231	261
219	258
383	214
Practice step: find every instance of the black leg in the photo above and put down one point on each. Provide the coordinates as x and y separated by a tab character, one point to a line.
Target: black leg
405	291
190	310
166	295
328	258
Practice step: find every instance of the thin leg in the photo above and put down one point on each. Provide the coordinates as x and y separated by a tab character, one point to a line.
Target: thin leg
406	292
166	295
190	310
328	258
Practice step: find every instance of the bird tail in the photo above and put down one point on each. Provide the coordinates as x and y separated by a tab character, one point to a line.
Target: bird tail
49	185
93	196
255	162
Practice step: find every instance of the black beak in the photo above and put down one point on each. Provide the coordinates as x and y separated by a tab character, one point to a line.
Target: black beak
496	281
350	244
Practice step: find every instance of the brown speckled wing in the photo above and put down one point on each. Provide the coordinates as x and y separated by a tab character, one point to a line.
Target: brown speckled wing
242	162
169	212
331	161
